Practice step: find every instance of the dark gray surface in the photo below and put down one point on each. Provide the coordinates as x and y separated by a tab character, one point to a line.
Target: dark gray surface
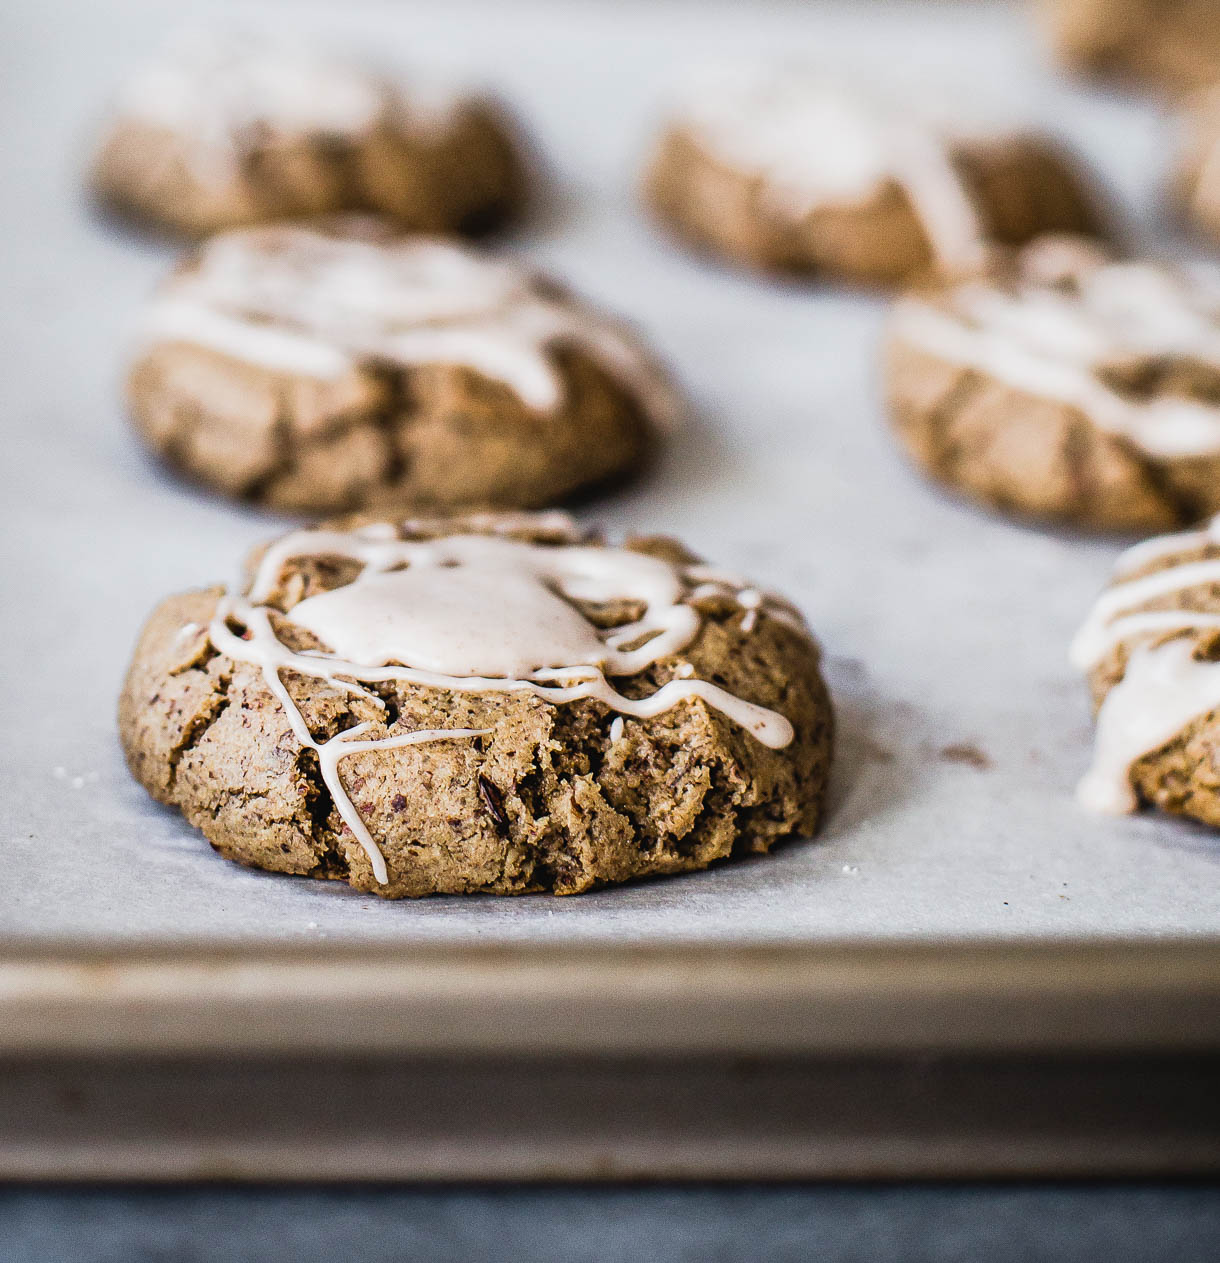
703	1225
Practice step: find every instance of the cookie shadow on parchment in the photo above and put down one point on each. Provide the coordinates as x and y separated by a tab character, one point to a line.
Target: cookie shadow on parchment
685	466
871	772
552	206
1180	835
128	228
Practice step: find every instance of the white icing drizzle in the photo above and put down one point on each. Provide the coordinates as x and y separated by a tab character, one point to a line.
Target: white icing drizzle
1162	690
1039	336
1142	554
816	143
1108	622
553	524
186	631
749	599
1164	686
477	613
222	92
291	299
713	582
616	728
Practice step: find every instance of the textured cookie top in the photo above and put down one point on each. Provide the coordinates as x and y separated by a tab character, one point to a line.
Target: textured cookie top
1135	346
223	93
815	143
491	603
299	300
1161	618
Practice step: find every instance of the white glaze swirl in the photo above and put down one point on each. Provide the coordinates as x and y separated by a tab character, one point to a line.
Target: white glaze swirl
482	613
295	300
1066	317
815	143
222	92
1164	686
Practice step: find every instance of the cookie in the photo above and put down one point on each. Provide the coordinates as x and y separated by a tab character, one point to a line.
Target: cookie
490	703
1065	387
1197	178
786	171
1151	651
224	131
327	369
1171	44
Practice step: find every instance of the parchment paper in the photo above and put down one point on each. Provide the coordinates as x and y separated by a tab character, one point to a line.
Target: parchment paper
944	627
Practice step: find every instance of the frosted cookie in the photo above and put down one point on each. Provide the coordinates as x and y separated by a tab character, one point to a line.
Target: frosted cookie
1174	44
495	703
1066	387
1151	651
311	369
784	170
230	130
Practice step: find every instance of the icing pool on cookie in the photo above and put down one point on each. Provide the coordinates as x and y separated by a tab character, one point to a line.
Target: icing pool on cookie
484	613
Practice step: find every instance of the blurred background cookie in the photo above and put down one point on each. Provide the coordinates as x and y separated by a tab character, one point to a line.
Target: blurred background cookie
313	368
1066	386
225	130
496	703
1171	44
1151	650
1197	181
783	169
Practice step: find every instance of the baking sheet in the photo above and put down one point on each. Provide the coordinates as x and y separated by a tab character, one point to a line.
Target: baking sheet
944	628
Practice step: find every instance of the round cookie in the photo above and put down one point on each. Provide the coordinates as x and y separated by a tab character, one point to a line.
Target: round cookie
1065	387
1173	44
223	131
787	171
327	369
1151	651
492	703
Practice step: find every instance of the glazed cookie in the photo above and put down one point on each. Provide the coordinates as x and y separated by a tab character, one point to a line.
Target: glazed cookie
1151	650
323	370
1173	44
491	703
1066	387
784	170
223	131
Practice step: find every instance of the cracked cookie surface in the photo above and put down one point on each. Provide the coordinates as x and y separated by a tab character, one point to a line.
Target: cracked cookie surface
1065	387
226	130
787	171
696	727
338	366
